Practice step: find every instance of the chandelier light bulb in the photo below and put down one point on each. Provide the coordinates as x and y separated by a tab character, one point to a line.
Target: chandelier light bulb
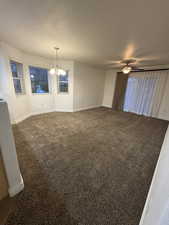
52	71
61	72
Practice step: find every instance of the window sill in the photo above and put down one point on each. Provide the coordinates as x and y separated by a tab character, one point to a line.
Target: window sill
41	93
63	93
20	94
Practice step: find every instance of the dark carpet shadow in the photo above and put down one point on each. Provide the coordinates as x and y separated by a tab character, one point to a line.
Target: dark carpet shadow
36	204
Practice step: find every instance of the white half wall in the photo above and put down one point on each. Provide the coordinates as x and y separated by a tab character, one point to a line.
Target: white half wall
88	86
109	88
8	150
156	210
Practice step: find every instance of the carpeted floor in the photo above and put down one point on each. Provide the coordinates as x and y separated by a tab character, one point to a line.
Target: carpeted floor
85	168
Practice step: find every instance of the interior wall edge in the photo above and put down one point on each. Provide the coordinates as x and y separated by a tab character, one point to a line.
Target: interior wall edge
8	150
3	179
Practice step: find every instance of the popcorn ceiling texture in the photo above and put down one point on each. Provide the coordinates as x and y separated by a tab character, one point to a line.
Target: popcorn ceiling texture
85	168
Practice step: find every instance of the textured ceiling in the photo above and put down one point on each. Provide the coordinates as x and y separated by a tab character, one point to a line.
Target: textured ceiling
93	31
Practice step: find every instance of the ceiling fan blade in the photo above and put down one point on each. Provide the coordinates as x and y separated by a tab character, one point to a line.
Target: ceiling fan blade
113	64
128	61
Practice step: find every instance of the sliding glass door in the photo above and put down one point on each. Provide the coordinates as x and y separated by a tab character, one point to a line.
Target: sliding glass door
144	92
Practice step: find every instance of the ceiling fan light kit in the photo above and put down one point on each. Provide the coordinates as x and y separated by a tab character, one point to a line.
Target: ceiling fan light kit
128	66
127	69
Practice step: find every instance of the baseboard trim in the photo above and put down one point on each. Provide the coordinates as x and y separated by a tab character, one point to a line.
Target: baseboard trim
31	114
16	189
21	119
63	110
107	106
86	108
39	113
56	110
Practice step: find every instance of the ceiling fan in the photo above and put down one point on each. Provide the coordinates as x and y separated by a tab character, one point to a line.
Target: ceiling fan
128	67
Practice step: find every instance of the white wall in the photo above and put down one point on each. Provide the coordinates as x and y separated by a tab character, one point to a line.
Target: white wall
88	86
109	88
156	210
24	105
64	101
39	103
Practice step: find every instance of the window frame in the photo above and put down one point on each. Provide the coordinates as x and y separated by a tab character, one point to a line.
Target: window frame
48	82
58	84
20	77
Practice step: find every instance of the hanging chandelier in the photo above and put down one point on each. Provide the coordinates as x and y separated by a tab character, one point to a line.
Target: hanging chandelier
56	70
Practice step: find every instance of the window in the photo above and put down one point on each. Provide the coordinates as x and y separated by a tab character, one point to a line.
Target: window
39	80
63	83
17	74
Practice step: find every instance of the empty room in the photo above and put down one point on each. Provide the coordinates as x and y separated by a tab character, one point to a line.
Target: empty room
84	112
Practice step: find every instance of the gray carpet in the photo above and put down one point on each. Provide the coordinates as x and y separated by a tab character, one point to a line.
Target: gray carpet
88	168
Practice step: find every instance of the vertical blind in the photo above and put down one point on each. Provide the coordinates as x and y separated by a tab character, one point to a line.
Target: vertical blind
145	91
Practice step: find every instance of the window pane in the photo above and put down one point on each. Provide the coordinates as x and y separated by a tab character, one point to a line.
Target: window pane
39	80
63	78
63	87
14	69
63	83
17	74
17	85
